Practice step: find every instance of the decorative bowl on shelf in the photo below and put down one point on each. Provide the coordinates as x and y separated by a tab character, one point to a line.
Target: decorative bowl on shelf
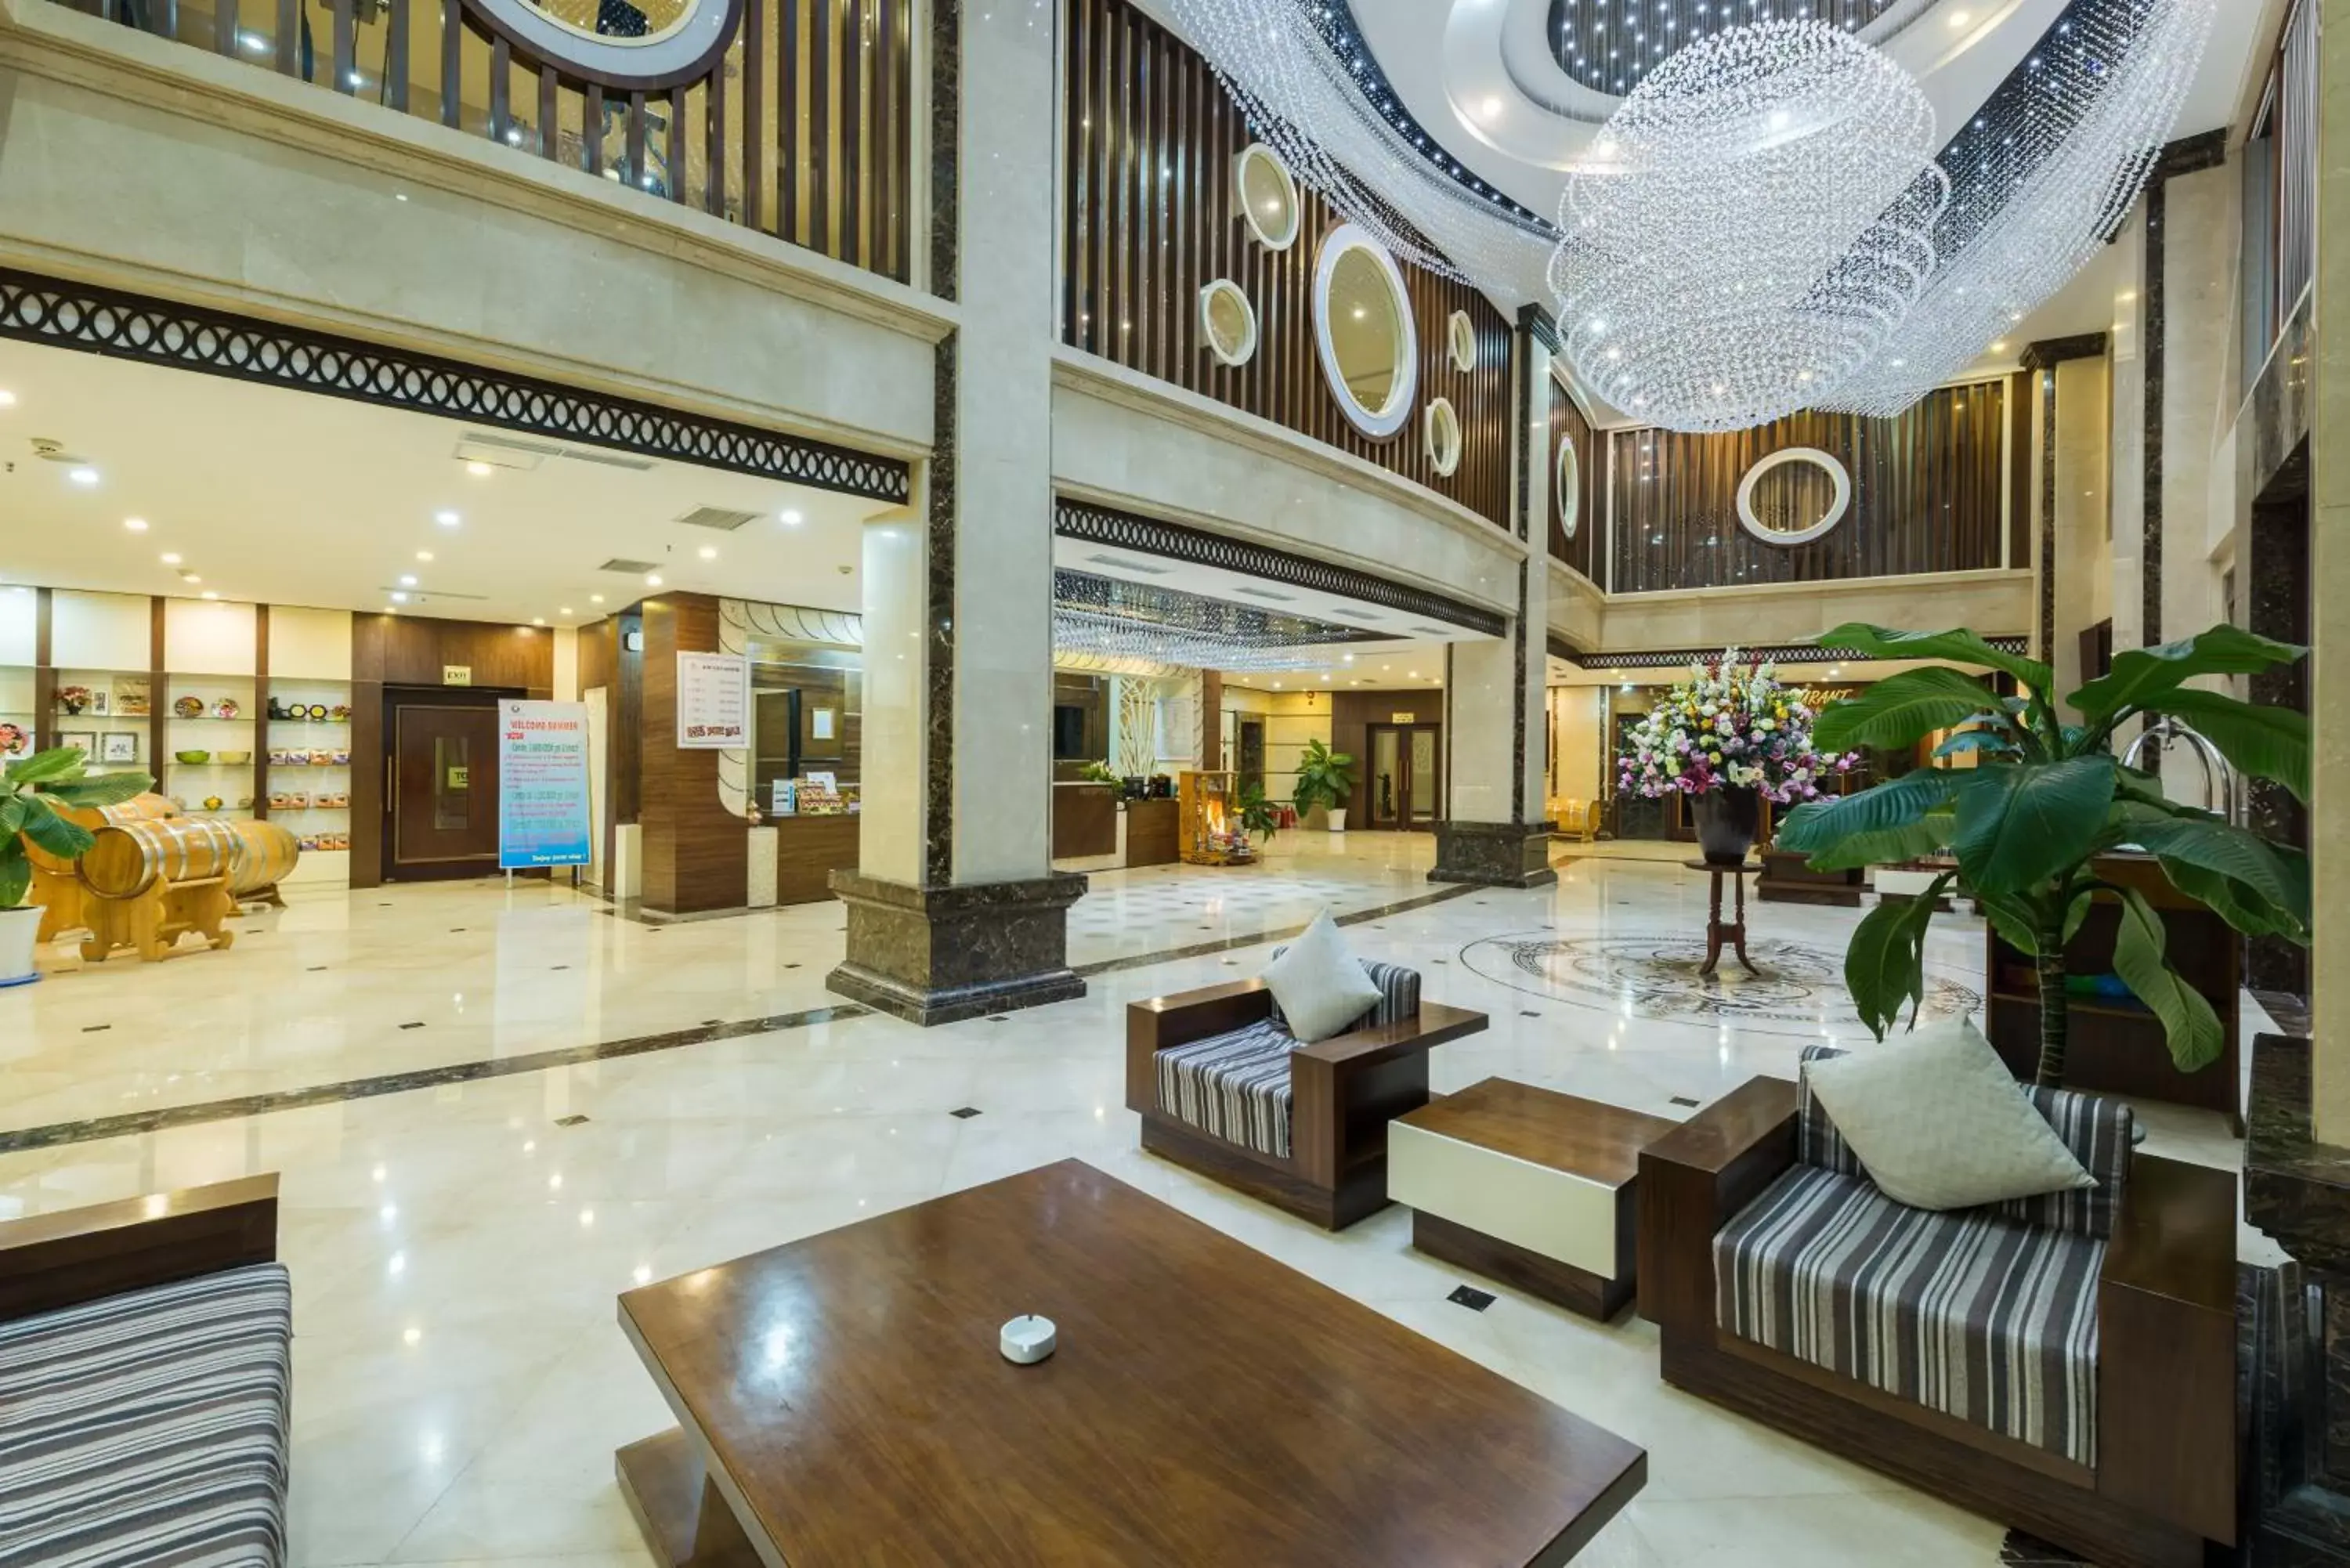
194	759
340	713
211	803
234	758
225	708
244	803
188	707
316	711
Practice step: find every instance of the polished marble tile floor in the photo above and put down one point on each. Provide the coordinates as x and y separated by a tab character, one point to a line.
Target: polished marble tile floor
460	1382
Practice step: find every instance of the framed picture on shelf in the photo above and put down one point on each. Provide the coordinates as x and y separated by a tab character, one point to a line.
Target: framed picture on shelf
118	746
97	703
16	740
133	695
86	739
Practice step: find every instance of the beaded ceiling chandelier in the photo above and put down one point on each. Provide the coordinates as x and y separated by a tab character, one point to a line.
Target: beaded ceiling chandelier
1111	617
1753	223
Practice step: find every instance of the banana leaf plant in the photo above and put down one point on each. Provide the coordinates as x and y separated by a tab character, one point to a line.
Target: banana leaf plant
2045	798
31	791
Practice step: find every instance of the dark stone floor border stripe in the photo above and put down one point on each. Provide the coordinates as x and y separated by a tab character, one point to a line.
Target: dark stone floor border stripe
163	1119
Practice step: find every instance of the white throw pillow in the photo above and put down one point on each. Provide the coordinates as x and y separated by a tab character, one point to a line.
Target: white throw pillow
1941	1123
1320	986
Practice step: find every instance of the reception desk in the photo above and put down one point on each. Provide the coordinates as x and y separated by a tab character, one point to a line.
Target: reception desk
808	851
1085	821
1151	833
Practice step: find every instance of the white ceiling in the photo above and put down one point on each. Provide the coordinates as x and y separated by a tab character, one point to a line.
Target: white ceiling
284	497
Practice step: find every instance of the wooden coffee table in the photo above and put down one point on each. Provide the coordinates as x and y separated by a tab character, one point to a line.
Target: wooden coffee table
1531	1186
841	1400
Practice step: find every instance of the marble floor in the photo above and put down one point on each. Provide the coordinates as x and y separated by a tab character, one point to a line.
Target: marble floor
459	1379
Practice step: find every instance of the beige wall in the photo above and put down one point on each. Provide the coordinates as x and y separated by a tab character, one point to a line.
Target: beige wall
1575	715
1993	603
1291	719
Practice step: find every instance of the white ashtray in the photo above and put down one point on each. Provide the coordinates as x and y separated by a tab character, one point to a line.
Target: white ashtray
1026	1340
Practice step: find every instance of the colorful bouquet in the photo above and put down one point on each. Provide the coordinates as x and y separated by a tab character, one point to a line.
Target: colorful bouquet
1731	725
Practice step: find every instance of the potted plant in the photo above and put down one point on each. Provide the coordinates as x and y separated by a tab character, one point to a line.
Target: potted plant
2045	800
1729	738
1256	813
1324	778
31	791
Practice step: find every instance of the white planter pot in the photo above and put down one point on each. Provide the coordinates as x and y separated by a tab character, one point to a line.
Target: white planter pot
18	929
1337	819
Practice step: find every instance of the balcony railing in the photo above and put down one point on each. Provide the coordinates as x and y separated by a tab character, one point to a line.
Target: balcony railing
799	127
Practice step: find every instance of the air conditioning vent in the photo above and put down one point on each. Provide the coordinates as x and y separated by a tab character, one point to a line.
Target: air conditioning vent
608	459
1432	630
1267	594
504	452
1126	566
416	598
725	519
633	569
1353	613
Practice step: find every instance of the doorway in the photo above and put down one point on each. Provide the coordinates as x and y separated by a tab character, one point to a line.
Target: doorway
1404	781
1248	758
441	805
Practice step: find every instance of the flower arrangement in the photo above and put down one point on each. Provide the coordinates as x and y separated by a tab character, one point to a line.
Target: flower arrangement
1731	725
72	700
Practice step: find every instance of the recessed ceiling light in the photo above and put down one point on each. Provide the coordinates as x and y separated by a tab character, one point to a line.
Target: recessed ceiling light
399	598
652	579
595	599
447	519
209	594
7	399
170	557
136	524
190	577
708	552
791	517
83	475
407	581
538	621
2000	347
564	610
1491	108
423	555
1960	19
479	470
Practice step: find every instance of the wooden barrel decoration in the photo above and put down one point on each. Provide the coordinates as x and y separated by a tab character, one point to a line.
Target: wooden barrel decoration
150	806
129	857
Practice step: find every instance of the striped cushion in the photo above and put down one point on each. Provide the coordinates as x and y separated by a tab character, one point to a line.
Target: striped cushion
149	1427
1399	995
1966	1313
2099	1132
1232	1086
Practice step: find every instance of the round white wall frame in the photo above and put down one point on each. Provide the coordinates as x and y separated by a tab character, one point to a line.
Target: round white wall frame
1568	478
1364	330
1803	534
682	40
1460	339
1266	194
1227	322
1440	429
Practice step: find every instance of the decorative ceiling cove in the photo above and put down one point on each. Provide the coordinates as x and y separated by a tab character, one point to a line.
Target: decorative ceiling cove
1609	46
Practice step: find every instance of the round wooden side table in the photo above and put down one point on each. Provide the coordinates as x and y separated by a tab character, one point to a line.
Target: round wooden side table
1718	931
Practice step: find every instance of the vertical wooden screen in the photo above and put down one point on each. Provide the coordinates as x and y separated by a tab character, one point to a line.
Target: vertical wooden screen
1149	219
1568	425
1926	497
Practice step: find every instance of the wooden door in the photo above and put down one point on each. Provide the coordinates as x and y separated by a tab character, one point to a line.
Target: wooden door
444	797
1404	781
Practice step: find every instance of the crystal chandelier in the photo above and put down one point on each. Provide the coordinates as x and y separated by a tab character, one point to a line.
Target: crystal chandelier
1336	124
2043	176
1110	617
1754	222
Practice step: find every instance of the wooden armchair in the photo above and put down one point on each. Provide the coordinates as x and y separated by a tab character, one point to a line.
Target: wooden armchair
1319	1112
2162	1480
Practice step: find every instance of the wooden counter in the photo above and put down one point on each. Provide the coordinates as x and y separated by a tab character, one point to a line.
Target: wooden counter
1085	821
1151	838
808	851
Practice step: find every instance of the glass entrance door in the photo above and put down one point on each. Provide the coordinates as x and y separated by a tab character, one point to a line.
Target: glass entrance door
1406	777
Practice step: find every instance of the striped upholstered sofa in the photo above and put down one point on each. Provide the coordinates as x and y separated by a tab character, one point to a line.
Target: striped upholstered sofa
2064	1363
145	1370
1225	1088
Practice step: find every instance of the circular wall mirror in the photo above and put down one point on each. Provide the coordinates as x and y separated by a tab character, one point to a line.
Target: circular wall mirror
1569	482
1440	429
1461	339
633	45
1227	322
1363	327
1267	196
1793	496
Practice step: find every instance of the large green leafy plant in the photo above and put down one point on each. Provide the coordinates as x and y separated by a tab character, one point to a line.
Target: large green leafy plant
31	791
1325	777
2046	797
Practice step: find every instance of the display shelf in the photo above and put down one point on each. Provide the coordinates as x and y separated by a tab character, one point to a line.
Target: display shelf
1211	832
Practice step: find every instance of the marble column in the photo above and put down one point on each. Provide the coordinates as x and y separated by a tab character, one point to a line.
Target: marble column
1493	831
954	909
2071	384
2329	594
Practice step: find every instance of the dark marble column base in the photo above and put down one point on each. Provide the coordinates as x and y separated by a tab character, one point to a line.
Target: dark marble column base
938	955
1494	854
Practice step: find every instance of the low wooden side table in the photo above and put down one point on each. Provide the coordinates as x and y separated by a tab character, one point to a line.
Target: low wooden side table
1717	929
1531	1186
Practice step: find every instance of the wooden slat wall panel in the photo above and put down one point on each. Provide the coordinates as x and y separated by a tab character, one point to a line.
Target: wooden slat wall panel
1567	424
1148	219
1927	497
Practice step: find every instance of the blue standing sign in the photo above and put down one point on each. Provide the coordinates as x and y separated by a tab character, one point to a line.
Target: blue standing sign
542	784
